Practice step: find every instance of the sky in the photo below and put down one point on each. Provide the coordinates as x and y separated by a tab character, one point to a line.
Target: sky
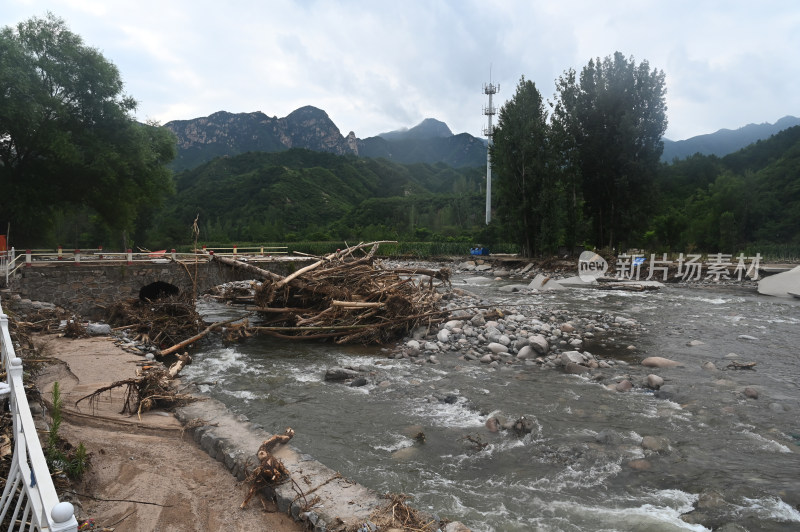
382	65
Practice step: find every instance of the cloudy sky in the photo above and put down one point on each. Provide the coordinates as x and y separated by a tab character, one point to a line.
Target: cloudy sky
381	65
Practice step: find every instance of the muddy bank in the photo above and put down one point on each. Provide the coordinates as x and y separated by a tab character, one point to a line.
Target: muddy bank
146	475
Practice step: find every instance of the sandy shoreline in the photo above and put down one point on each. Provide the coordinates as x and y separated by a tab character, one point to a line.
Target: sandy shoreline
159	479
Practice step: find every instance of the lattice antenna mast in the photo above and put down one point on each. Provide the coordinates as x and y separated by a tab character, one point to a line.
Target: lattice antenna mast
490	89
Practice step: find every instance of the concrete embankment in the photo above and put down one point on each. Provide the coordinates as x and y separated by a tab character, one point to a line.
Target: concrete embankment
328	501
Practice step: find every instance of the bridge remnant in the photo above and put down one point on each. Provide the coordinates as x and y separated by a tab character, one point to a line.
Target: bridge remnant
90	288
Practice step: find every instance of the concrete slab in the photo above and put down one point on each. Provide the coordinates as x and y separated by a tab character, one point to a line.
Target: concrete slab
781	284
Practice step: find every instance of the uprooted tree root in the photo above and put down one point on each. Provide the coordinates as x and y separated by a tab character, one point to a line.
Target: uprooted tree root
270	471
153	389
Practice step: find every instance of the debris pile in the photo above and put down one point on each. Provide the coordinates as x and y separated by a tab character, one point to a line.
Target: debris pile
347	298
151	388
397	514
162	322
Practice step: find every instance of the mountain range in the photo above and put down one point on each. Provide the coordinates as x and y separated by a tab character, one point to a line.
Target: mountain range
227	134
725	141
431	141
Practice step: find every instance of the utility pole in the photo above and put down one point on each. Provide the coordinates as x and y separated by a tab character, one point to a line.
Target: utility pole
490	111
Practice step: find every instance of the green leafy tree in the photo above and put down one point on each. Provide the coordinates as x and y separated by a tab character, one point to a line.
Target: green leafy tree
615	115
67	137
528	193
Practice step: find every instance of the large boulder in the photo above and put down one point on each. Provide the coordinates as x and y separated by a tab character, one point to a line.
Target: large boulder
539	343
337	373
660	362
571	357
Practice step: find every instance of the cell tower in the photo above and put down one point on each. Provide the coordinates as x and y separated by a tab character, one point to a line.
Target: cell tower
490	111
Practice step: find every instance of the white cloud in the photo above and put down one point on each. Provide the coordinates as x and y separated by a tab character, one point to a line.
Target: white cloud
377	66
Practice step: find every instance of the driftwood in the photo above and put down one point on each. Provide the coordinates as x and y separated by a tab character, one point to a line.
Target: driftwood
196	337
742	365
178	366
152	389
346	297
270	470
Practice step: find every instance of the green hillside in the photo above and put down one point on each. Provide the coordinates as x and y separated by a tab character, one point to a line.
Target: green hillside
298	193
750	198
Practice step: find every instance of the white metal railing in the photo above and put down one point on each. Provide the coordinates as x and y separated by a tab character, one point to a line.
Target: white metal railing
29	500
11	261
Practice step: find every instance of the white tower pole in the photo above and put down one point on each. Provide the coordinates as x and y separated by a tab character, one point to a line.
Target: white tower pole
489	111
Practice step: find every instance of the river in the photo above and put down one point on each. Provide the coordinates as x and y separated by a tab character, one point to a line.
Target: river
724	457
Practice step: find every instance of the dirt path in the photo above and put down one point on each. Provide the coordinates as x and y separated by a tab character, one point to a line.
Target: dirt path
158	480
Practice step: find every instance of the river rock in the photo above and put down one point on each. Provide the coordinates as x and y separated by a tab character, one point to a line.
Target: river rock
669	392
98	329
747	337
659	362
624	386
337	373
654	381
358	382
497	348
431	346
567	328
654	443
487	359
443	336
573	357
751	392
640	464
454	324
539	344
522	426
709	366
694	343
575	369
525	353
413	345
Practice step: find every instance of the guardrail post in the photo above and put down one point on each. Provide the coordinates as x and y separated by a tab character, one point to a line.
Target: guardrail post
100	249
174	255
234	251
262	251
28	258
63	513
60	253
77	256
130	256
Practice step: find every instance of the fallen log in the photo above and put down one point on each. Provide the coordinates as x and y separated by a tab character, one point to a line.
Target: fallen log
356	304
197	337
260	273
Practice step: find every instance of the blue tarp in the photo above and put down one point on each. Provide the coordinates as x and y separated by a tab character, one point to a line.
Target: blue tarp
479	251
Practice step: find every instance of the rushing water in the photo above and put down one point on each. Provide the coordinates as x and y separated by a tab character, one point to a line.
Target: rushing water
583	467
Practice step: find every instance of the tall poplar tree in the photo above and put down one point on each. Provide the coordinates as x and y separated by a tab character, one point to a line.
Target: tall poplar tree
528	194
615	115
